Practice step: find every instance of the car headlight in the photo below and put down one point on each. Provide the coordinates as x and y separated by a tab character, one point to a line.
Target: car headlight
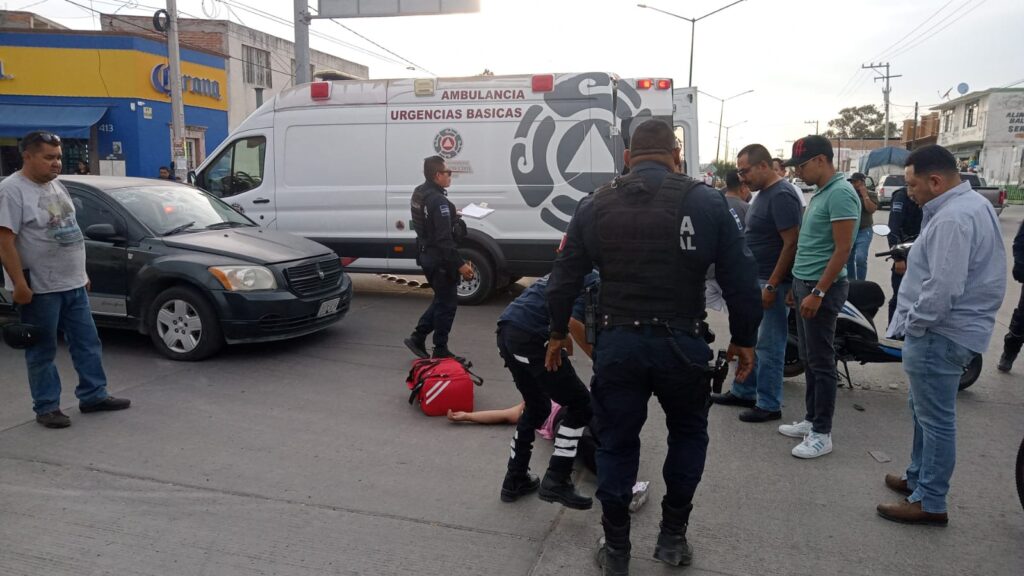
244	278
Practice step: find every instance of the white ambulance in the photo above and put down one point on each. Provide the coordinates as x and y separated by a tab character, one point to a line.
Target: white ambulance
337	161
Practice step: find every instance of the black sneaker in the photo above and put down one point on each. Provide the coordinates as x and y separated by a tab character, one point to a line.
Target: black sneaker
1005	363
106	405
728	399
417	345
55	419
756	414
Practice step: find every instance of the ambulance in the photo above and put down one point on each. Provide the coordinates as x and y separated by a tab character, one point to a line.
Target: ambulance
337	161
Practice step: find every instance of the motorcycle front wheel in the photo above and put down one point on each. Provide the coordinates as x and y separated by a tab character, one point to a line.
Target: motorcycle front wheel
971	372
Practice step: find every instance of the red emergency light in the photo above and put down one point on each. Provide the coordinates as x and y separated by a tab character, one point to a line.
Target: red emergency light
543	83
320	90
644	84
664	84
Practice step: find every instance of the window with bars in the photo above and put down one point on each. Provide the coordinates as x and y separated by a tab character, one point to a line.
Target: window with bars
947	121
256	67
971	115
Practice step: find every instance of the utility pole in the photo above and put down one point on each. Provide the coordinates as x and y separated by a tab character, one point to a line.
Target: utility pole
815	122
301	42
177	104
885	92
913	133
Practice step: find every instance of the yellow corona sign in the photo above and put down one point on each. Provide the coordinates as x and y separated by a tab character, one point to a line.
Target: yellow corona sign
107	73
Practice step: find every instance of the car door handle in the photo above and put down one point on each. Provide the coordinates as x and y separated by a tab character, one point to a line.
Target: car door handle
261	201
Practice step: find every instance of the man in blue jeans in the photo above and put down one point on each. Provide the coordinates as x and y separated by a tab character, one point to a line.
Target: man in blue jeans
820	287
772	227
43	255
857	265
944	324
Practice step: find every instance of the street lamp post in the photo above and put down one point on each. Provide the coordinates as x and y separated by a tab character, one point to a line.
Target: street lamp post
693	26
726	134
721	112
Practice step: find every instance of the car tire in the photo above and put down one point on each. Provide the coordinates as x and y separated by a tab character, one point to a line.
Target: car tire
183	325
481	287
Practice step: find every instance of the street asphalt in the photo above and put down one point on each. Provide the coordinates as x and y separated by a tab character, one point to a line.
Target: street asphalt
304	458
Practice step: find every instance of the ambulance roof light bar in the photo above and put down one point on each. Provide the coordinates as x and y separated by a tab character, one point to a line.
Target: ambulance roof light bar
543	83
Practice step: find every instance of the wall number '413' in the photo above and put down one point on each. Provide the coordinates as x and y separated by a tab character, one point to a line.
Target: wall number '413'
105	127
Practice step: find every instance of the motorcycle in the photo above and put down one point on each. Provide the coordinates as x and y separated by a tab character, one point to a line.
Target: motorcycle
856	338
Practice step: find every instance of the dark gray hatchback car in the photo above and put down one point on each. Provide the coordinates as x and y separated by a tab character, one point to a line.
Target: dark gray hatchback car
182	266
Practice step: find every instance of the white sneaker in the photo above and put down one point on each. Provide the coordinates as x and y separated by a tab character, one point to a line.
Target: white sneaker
796	429
814	445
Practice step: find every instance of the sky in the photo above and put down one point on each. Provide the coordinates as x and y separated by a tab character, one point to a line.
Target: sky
801	58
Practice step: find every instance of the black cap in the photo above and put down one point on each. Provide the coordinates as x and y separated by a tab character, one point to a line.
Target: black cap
857	176
808	147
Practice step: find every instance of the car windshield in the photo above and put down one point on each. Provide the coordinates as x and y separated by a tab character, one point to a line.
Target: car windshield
895	180
174	209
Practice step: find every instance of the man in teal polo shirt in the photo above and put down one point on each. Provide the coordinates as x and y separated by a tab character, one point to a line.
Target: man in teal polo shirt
820	287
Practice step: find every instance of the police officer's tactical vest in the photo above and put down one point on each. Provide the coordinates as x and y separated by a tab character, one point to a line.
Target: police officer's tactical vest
644	272
418	205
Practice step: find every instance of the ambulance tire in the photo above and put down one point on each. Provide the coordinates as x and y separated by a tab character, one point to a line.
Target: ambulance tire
481	287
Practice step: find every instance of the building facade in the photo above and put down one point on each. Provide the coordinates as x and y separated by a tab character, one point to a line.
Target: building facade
985	131
923	133
108	96
848	151
259	65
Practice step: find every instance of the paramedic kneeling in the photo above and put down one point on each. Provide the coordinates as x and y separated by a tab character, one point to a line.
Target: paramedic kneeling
653	234
439	228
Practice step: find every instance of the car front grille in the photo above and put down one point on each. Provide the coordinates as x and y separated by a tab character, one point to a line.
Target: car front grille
315	277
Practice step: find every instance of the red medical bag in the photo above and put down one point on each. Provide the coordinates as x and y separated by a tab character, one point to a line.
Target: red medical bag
442	384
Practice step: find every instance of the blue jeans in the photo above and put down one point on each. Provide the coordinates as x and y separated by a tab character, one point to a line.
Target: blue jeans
934	365
765	380
857	265
69	313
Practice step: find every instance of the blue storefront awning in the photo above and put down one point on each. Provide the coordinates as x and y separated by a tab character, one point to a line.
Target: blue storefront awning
65	121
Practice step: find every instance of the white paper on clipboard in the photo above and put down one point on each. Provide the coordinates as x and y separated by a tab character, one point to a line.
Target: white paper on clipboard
478	212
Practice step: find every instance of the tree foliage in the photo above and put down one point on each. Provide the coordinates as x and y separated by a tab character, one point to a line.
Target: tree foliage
860	122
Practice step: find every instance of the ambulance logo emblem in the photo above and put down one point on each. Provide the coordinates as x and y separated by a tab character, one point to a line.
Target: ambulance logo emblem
448	143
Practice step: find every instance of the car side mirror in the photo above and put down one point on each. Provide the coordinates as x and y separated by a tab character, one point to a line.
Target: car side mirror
192	177
103	233
881	229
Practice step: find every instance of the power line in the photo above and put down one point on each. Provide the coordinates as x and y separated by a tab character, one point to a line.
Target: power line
926	38
918	27
289	24
150	32
415	65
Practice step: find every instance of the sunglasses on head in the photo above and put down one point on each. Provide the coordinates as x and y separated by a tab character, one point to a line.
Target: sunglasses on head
45	137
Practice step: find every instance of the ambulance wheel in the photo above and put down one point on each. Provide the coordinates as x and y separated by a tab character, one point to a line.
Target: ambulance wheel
480	288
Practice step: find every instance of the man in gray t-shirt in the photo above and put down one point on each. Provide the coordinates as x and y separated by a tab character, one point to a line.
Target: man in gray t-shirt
43	254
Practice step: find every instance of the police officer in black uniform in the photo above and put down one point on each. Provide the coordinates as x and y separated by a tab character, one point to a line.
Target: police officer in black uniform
439	228
904	225
653	235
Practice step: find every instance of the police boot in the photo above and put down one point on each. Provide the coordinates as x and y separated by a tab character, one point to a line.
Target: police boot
444	352
558	487
417	343
1011	345
672	547
518	480
613	551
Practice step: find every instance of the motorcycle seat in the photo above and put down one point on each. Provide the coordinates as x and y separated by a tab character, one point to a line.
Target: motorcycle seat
866	296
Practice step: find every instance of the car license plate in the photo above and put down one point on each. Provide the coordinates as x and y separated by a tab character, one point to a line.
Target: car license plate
328	307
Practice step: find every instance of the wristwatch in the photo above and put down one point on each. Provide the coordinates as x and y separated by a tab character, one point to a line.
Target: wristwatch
769	288
818	292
